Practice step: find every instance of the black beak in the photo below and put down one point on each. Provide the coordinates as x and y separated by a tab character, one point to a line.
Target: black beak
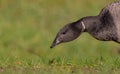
55	42
53	45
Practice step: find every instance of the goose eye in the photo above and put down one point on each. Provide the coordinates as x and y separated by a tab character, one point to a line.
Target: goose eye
64	33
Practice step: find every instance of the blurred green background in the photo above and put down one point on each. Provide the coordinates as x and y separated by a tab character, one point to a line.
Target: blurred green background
28	27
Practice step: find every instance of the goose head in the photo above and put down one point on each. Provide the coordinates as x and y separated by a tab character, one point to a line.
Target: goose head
68	33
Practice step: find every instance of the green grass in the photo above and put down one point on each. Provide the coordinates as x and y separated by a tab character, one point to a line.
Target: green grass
28	27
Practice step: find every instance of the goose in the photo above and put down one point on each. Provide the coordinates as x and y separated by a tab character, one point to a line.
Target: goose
105	26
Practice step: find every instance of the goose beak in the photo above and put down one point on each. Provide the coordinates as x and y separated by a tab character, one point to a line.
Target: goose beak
53	45
55	42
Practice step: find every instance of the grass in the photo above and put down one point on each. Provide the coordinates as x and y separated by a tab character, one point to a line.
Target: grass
28	27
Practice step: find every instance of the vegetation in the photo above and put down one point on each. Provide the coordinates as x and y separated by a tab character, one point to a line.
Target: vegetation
28	27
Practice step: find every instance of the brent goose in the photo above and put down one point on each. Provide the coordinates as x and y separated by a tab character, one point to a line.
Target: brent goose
104	27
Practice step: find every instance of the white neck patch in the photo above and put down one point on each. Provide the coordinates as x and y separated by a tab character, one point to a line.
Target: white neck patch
83	25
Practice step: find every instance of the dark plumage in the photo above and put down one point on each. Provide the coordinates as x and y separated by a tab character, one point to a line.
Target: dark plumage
105	26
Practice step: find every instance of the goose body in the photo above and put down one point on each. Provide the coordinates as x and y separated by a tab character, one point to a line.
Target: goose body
105	26
114	10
